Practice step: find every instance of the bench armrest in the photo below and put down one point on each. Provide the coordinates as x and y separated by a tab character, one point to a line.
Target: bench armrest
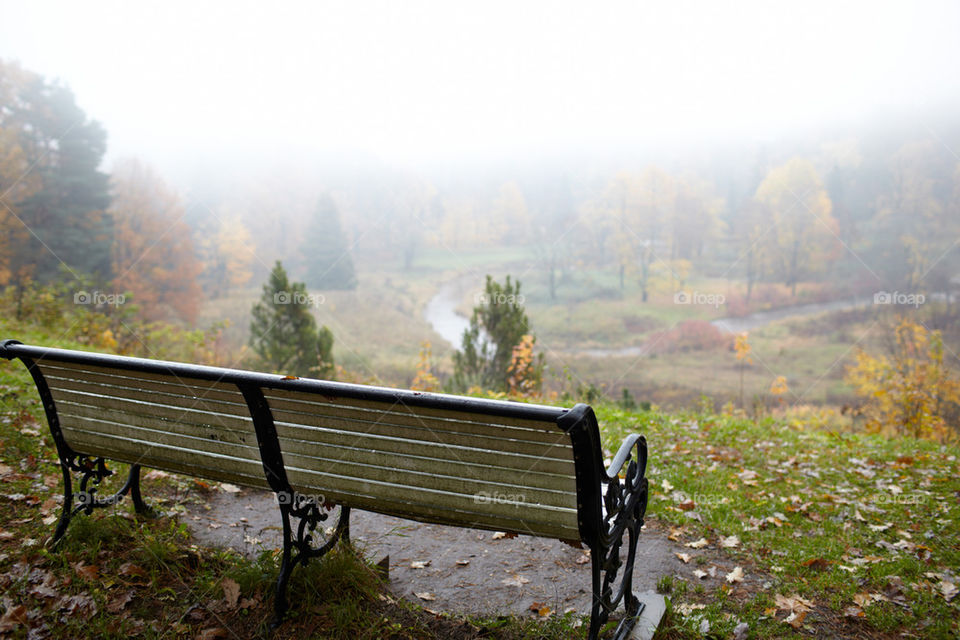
624	453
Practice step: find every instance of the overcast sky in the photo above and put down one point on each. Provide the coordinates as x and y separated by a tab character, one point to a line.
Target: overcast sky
420	79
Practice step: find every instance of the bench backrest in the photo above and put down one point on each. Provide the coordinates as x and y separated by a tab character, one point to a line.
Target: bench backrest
432	457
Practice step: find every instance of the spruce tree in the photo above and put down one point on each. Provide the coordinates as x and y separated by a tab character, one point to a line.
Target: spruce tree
325	251
283	332
497	326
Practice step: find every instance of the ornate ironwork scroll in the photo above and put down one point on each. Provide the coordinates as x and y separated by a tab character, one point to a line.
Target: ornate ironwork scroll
625	504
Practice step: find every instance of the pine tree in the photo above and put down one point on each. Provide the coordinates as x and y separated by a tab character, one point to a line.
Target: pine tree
65	214
325	252
283	332
498	326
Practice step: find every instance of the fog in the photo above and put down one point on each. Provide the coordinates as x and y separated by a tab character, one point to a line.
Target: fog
185	84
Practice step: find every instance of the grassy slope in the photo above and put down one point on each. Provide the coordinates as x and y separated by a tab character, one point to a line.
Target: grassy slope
837	518
865	529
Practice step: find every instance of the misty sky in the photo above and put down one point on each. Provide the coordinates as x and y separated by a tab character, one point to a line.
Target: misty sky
409	80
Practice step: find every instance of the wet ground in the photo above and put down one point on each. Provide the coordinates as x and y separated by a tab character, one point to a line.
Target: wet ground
450	569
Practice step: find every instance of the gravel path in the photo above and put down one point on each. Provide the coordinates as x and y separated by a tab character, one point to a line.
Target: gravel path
463	570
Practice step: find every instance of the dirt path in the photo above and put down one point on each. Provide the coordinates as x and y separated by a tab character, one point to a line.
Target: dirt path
465	570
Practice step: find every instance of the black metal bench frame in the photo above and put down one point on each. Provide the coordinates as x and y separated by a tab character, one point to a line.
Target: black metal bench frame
608	506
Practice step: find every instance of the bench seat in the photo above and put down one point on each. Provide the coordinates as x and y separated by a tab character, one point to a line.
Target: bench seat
437	458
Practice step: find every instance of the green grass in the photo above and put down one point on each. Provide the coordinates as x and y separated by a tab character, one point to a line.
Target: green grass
813	521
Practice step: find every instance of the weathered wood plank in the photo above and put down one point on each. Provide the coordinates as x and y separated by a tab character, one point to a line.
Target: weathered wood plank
406	417
244	472
188	418
277	395
436	506
331	454
425	449
198	402
196	437
560	450
444	477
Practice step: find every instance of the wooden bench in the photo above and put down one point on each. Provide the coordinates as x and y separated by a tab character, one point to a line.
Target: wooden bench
466	462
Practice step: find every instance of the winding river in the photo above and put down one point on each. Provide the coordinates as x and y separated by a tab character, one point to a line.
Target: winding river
441	313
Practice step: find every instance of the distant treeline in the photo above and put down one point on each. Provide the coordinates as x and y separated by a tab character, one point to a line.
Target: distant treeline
878	213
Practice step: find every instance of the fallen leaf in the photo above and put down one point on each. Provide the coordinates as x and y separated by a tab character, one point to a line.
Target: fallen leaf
544	611
794	603
699	544
81	604
699	573
730	543
87	571
215	633
666	485
687	505
231	592
817	564
463	563
420	564
741	631
425	595
675	533
5	470
229	488
948	589
853	612
120	602
684	557
686	608
503	535
795	619
582	559
735	576
12	618
130	569
515	581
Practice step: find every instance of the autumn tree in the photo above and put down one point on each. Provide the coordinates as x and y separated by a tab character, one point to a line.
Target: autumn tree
227	253
918	218
326	254
283	332
54	211
803	233
153	254
497	348
911	391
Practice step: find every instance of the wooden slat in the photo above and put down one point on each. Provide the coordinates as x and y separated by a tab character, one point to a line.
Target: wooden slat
406	416
455	508
239	471
330	454
560	450
562	526
425	449
84	371
179	419
190	437
443	478
186	401
425	412
172	389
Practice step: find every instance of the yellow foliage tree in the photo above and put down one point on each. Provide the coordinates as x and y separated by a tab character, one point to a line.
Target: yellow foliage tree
803	231
153	256
911	391
424	380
